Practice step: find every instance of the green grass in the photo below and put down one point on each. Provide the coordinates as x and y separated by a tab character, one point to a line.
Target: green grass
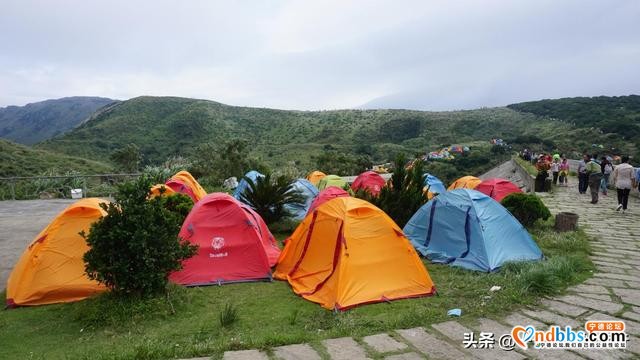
530	168
189	322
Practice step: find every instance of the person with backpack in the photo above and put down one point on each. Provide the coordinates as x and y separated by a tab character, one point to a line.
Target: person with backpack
607	169
583	178
624	179
594	174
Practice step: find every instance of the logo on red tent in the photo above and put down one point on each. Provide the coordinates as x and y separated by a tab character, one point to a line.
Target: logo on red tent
217	242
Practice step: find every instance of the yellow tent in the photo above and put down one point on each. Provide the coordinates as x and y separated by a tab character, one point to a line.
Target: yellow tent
466	182
155	190
315	176
332	180
348	252
51	269
184	183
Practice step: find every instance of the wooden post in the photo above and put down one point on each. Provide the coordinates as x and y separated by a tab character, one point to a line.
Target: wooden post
566	221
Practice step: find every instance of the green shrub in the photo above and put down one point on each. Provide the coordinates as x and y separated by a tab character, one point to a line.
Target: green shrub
269	196
527	208
135	246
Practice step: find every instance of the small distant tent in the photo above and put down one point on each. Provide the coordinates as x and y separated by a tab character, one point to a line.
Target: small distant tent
315	176
497	189
347	253
184	183
309	192
325	195
331	180
465	182
466	228
433	186
369	181
244	185
51	270
156	190
234	243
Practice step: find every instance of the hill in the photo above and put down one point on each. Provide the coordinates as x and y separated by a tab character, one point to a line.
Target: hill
38	121
166	126
20	160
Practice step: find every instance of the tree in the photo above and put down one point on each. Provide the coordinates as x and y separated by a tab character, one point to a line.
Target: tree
269	196
220	161
128	157
135	247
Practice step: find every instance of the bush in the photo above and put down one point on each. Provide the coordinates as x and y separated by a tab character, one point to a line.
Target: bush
269	197
527	208
135	247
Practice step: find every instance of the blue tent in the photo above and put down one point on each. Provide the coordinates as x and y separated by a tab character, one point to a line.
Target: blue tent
309	192
243	185
467	228
433	185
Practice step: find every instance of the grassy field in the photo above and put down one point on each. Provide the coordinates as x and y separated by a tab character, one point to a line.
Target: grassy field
188	322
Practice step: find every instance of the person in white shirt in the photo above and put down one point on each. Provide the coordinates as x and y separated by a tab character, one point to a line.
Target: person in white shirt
624	179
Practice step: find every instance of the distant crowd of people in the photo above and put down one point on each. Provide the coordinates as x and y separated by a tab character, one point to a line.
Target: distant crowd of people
594	174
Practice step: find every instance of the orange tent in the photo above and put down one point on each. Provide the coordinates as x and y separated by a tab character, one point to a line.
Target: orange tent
184	183
315	176
155	190
51	269
347	253
465	182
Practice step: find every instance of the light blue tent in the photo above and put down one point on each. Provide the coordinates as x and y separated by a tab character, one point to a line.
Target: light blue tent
433	185
243	184
467	228
309	192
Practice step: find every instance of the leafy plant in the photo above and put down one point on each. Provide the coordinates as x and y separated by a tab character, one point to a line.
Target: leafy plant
269	196
404	196
527	208
135	246
128	157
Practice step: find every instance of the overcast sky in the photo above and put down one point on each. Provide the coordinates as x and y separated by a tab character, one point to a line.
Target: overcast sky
429	55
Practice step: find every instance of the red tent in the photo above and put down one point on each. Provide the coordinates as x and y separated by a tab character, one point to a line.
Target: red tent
235	244
370	181
325	195
497	188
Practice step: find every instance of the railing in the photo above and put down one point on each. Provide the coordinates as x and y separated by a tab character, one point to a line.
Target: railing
59	186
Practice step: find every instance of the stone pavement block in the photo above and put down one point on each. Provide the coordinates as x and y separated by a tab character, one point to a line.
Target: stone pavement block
430	345
296	352
616	276
631	315
517	319
383	343
564	308
405	356
606	306
605	354
455	332
488	325
606	282
611	270
601	297
344	349
551	354
245	355
631	327
593	289
551	318
628	296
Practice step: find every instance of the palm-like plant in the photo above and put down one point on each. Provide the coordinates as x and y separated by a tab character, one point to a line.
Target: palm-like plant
269	196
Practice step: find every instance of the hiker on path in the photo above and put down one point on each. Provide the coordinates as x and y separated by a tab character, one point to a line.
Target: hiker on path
582	174
564	172
607	169
594	174
624	179
555	169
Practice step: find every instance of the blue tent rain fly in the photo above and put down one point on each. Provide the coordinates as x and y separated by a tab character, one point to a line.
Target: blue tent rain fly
467	228
309	192
433	185
243	184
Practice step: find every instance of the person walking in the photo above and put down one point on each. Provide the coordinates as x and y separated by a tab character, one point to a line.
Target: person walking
582	174
606	168
555	170
564	172
594	174
624	179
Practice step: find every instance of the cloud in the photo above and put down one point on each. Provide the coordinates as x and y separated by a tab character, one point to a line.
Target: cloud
320	55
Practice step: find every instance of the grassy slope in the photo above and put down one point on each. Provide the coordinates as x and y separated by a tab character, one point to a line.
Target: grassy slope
20	160
271	315
164	126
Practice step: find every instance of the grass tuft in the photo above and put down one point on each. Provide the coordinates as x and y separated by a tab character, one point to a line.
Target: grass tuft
228	315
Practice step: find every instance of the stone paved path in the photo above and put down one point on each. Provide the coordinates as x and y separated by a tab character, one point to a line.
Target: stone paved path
612	293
